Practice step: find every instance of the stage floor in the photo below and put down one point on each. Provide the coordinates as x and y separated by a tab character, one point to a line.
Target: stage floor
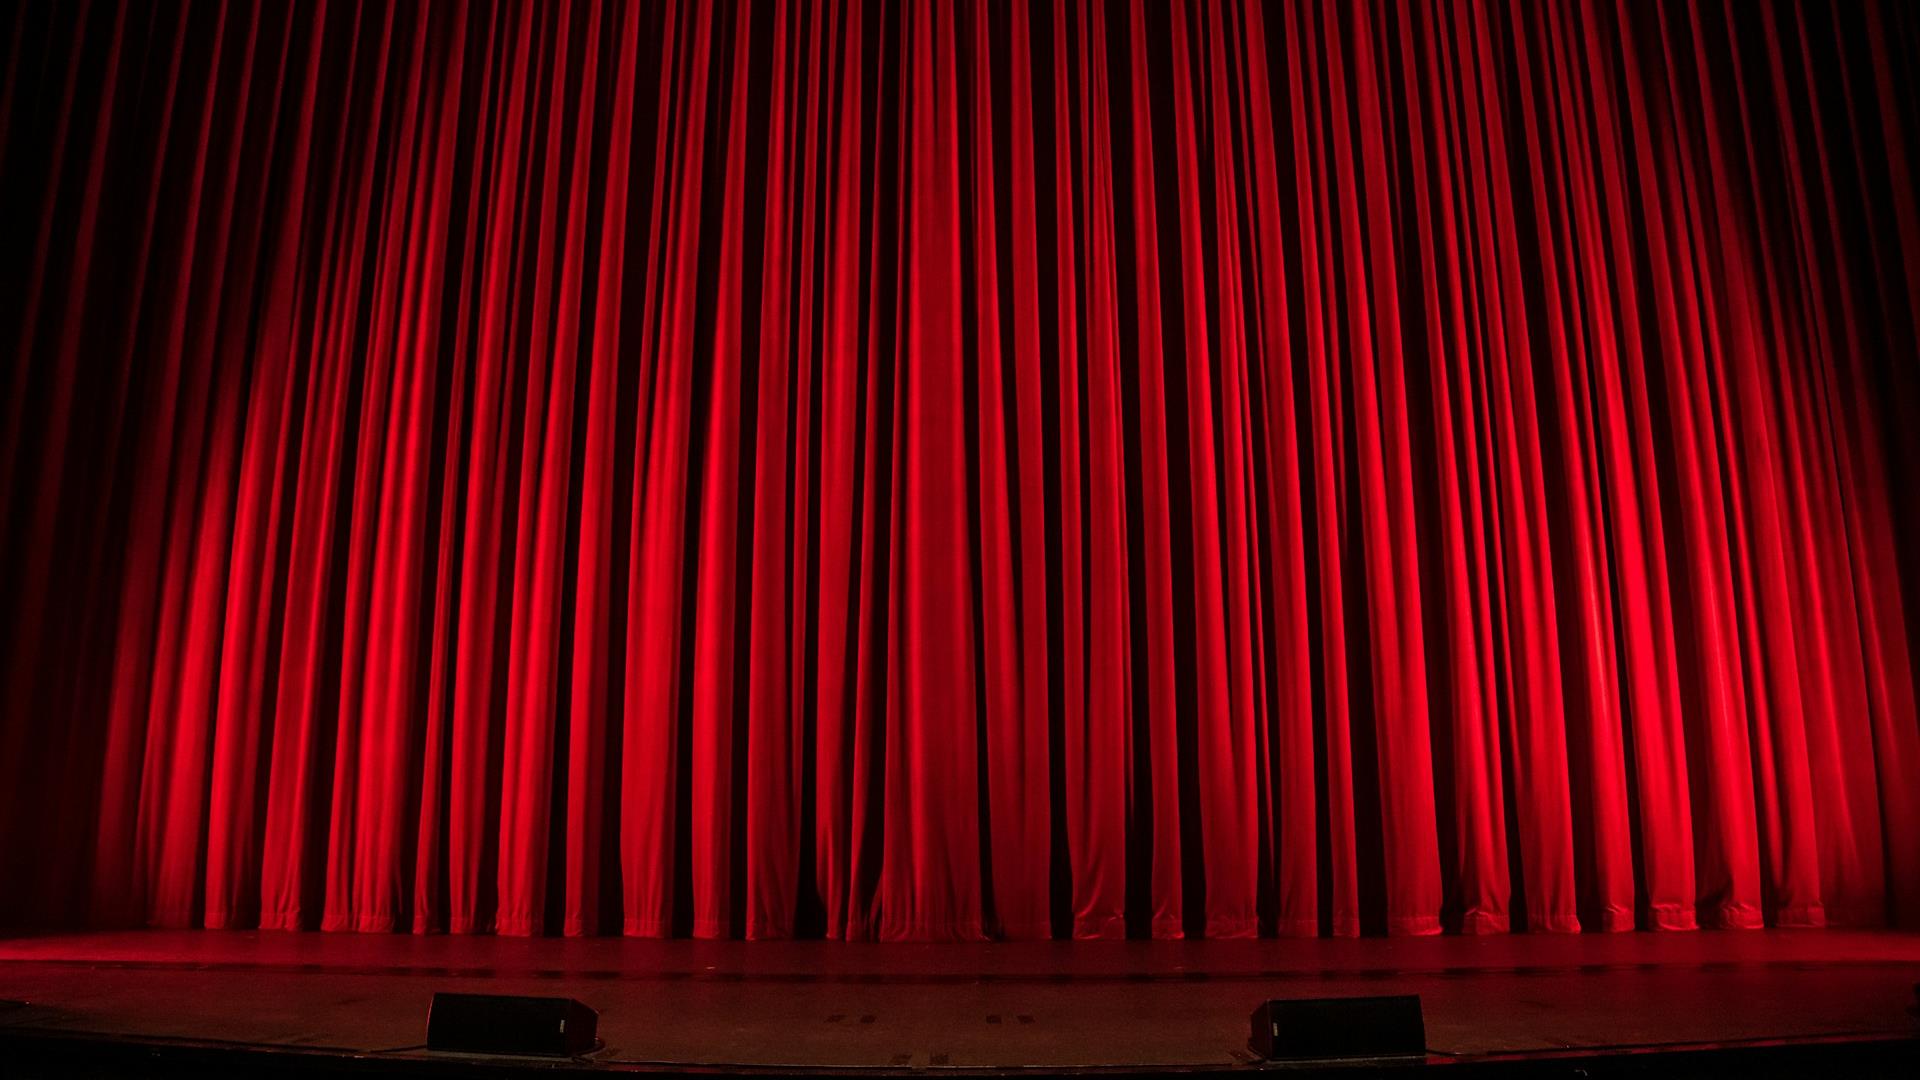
1051	1005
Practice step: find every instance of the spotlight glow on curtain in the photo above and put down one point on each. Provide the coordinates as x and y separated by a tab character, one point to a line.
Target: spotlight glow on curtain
943	470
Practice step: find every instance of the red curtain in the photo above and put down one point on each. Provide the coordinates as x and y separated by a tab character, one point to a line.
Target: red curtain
960	469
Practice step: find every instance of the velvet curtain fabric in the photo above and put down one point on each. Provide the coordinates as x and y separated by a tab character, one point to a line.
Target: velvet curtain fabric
943	470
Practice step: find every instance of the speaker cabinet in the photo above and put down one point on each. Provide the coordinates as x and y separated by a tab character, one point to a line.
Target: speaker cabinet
1353	1027
499	1024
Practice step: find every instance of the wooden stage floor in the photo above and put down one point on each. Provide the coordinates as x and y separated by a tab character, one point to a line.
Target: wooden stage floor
1052	1005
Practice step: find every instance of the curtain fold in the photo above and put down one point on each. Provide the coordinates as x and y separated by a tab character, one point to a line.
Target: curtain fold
948	469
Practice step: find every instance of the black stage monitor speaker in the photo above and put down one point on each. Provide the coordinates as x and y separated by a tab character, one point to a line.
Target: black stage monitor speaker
499	1024
1353	1027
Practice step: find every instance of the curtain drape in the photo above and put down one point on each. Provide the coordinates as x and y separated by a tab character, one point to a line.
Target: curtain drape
958	469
